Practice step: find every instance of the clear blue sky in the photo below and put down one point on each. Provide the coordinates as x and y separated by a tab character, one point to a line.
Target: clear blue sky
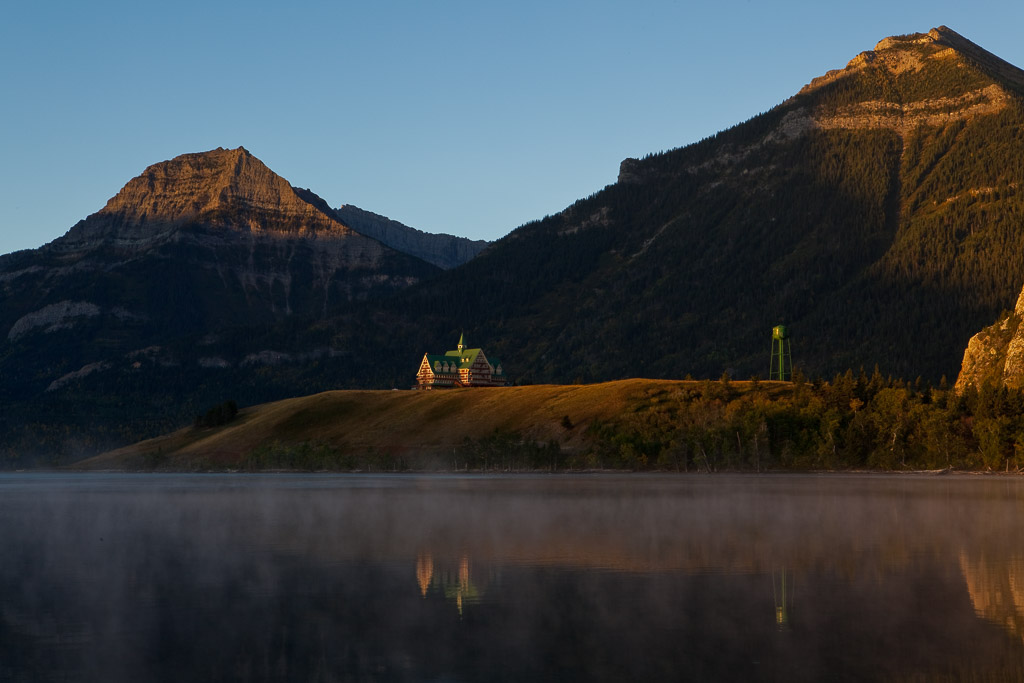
463	117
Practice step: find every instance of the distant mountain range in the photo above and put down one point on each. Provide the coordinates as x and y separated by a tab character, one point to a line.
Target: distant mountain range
877	213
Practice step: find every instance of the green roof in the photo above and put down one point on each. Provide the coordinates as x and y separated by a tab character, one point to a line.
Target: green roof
463	359
465	356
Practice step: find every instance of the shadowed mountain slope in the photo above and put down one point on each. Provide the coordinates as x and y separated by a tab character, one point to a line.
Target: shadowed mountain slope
878	213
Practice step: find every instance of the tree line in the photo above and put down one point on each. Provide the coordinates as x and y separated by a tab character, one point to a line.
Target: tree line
856	421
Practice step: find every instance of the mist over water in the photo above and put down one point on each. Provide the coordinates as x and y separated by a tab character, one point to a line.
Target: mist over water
469	578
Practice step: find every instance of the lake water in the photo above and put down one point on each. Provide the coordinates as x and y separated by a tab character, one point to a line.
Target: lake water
520	578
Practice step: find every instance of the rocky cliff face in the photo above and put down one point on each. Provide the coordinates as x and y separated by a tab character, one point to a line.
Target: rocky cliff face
444	251
996	354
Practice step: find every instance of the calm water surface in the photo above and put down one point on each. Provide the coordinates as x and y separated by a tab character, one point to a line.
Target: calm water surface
521	578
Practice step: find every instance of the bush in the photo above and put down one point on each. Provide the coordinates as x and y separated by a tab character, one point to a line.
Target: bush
218	415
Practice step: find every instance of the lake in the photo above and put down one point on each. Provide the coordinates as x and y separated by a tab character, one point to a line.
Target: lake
122	577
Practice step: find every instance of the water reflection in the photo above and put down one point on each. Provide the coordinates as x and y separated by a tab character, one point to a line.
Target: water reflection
121	577
424	571
996	587
782	595
455	584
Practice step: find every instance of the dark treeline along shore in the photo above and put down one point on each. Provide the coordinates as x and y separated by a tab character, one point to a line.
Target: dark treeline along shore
855	421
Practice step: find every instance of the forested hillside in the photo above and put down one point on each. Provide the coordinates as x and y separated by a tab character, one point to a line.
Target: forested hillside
878	214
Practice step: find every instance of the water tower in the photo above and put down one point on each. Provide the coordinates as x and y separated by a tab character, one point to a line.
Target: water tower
781	365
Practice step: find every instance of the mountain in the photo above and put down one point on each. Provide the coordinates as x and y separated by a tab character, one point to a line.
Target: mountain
877	213
225	189
179	277
200	242
444	251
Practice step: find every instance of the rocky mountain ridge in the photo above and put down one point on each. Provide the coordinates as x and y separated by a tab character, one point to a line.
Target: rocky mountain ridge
221	190
225	216
442	250
904	109
227	189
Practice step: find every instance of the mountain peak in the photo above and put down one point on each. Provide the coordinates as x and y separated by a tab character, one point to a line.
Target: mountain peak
920	79
905	56
996	67
223	189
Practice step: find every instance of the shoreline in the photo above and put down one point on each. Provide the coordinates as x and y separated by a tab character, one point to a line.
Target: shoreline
529	472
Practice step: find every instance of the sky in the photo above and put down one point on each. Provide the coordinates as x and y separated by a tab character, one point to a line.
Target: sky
469	118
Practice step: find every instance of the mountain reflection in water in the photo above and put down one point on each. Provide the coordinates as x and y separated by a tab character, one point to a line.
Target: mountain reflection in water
467	578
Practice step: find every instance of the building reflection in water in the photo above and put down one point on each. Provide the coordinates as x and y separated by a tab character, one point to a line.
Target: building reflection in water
454	583
424	571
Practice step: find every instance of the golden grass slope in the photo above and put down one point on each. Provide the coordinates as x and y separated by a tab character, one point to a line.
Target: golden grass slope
399	422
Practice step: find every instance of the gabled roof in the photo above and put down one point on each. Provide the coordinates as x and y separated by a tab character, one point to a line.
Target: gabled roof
438	358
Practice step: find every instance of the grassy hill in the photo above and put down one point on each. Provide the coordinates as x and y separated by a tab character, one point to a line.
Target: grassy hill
852	422
514	427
